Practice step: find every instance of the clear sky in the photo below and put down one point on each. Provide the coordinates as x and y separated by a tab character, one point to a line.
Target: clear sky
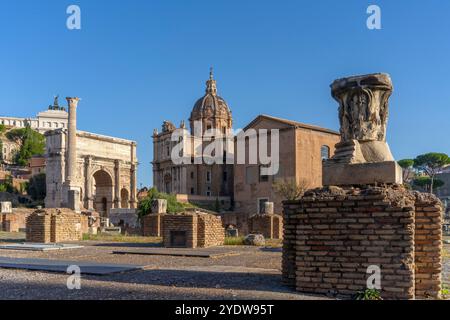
136	63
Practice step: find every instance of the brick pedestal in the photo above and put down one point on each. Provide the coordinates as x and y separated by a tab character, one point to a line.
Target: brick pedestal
199	229
334	235
269	225
55	225
152	225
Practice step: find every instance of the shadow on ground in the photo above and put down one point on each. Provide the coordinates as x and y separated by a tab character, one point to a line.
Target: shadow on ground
201	279
128	245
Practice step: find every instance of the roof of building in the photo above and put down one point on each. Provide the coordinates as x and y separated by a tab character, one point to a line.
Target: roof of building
292	123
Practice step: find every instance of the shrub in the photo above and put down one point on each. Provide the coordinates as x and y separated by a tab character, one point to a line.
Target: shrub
368	294
173	206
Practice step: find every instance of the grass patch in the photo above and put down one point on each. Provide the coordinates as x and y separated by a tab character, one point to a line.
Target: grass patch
234	241
121	238
445	292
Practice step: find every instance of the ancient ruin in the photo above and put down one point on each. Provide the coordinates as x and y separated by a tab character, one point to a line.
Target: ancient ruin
336	236
267	223
55	225
152	224
362	156
193	229
87	171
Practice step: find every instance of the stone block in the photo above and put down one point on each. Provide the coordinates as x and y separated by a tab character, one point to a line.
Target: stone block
362	174
5	207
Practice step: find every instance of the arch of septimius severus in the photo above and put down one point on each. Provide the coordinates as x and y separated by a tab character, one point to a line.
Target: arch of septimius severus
89	171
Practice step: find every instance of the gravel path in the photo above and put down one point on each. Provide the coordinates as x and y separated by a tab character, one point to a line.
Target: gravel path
252	274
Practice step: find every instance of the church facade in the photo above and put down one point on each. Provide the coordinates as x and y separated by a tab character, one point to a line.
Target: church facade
302	149
198	180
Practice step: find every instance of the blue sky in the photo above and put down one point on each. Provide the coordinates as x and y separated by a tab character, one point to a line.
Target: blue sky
136	63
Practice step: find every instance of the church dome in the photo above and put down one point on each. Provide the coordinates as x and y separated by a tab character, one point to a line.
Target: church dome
210	105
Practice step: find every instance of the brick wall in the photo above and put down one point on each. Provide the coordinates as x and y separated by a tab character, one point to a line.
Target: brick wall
428	245
180	222
38	227
210	231
269	225
152	225
332	235
15	221
55	225
202	229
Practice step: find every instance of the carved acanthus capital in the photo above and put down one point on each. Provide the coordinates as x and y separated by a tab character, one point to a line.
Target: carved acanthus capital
363	106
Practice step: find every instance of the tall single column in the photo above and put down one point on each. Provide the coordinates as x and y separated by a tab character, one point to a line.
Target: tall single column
133	176
71	191
117	195
72	140
88	199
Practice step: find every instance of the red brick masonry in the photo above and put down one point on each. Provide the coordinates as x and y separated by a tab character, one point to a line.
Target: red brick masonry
55	225
269	225
332	235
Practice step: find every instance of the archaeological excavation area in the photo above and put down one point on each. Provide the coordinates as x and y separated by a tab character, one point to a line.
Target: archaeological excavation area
363	229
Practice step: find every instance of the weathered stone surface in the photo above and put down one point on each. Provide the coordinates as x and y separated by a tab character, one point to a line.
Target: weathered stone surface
255	240
5	207
362	173
362	156
268	208
159	206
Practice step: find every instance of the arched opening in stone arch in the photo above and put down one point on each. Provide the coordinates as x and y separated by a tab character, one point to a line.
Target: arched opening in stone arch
102	192
124	198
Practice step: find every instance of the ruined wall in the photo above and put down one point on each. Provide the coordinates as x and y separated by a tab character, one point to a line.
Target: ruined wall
67	226
332	235
181	222
269	225
210	231
55	225
38	227
428	245
202	229
152	225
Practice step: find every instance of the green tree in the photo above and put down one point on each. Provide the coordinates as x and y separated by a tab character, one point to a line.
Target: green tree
36	187
408	167
31	143
425	183
2	128
431	163
7	185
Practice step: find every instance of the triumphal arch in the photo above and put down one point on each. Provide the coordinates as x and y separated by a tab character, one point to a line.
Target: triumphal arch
87	171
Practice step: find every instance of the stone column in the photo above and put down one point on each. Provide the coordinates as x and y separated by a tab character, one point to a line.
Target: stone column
72	141
133	186
88	199
362	156
117	195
